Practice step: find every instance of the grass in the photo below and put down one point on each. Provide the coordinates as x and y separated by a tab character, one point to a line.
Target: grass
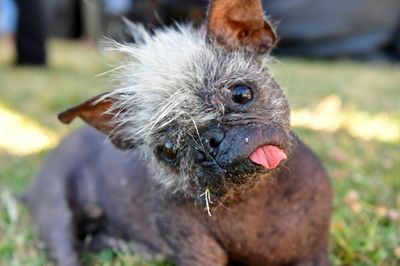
348	112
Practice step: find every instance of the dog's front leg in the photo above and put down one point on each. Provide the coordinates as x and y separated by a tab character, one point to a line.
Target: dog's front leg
199	250
191	243
56	228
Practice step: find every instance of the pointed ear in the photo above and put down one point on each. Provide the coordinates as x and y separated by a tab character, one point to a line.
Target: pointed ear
240	24
97	113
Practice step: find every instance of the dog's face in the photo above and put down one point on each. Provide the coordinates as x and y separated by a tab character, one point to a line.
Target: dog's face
201	106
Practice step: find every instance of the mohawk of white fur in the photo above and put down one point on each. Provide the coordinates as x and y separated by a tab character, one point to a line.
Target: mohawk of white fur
156	84
163	75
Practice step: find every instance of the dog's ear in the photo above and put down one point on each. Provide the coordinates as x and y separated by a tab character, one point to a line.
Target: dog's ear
241	24
98	113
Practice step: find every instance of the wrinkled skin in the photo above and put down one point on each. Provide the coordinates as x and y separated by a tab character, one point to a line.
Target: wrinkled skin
88	187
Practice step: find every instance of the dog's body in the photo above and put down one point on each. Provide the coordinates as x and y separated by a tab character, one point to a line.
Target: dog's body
108	193
213	175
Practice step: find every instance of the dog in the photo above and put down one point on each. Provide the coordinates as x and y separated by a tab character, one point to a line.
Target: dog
190	156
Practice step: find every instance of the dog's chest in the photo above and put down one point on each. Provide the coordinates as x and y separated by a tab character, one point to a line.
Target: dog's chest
266	229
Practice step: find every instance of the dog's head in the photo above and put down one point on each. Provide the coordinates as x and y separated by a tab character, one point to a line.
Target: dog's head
200	104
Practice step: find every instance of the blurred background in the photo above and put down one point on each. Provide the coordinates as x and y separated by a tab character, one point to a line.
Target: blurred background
361	29
338	60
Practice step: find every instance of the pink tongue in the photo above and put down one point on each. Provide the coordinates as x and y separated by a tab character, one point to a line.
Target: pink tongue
268	156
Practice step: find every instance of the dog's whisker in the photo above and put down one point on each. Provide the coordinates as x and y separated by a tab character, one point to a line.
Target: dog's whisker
207	197
198	135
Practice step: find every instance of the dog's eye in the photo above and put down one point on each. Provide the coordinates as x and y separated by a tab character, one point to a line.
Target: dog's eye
241	94
168	152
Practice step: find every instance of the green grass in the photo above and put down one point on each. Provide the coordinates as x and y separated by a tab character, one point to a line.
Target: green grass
359	145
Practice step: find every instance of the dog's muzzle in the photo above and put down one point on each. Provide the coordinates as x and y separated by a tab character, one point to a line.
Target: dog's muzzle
240	150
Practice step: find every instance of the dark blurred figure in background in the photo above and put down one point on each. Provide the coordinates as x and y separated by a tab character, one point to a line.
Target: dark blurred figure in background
363	29
31	33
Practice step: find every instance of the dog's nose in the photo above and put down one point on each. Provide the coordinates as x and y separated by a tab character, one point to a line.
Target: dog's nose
212	139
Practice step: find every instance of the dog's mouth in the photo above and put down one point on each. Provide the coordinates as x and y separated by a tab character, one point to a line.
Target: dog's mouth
263	159
268	156
247	156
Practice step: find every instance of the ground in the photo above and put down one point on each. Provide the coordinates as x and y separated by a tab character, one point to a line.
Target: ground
348	112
